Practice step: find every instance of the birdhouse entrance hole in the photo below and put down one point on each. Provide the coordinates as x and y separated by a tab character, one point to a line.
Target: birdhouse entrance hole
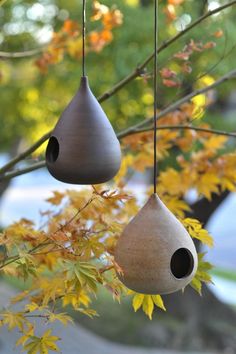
182	263
52	152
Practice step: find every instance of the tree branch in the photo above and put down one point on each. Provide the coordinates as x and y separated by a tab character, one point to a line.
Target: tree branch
24	154
176	104
186	127
47	242
42	164
139	69
163	46
132	130
18	55
22	171
117	87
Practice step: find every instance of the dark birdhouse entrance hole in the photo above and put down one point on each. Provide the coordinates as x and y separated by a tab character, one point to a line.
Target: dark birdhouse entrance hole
182	263
53	148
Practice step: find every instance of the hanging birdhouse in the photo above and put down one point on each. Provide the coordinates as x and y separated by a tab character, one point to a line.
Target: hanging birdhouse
83	148
155	252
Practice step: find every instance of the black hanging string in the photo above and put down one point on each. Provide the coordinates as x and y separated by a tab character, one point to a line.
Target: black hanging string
84	35
155	93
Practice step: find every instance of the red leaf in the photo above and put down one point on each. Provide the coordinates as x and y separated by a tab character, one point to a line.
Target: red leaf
209	45
166	73
182	55
175	2
219	33
193	46
170	83
186	68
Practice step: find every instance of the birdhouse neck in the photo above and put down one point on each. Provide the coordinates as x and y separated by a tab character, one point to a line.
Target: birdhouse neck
84	82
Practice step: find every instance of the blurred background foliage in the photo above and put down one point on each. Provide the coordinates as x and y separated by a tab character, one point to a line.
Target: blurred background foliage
31	102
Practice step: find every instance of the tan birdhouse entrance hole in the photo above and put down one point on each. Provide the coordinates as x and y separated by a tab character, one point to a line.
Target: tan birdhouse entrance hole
182	263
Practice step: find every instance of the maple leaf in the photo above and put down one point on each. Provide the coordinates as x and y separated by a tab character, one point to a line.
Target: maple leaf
183	55
202	275
167	73
27	334
99	10
42	345
137	301
88	312
208	184
98	40
61	317
70	27
147	302
56	199
175	2
209	45
170	83
76	299
14	320
50	289
82	274
172	181
112	18
26	267
195	230
186	68
170	12
74	48
176	205
219	33
215	142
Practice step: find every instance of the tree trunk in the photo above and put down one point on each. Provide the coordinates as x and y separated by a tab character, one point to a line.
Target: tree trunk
206	322
13	151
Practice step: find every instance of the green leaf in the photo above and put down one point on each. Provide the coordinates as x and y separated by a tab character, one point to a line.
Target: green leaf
41	345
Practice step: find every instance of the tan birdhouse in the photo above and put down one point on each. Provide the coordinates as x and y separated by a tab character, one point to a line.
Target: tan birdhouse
155	252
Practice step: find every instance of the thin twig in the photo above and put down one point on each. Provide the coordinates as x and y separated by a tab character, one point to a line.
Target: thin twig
177	104
140	68
18	55
186	127
48	241
24	154
22	171
139	127
115	88
131	130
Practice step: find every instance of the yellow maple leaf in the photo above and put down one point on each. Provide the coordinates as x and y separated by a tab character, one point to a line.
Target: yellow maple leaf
61	317
14	320
215	142
42	345
195	230
202	275
56	199
208	184
147	302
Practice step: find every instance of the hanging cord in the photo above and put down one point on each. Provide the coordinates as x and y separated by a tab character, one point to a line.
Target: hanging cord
155	93
84	35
